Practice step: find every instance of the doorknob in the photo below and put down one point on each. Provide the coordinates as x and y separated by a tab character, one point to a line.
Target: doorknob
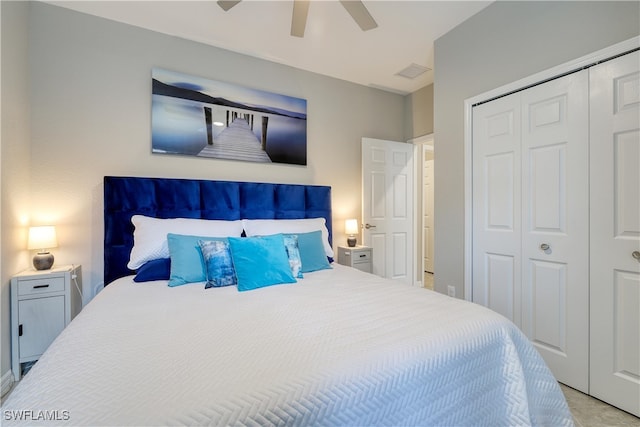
636	255
544	247
368	226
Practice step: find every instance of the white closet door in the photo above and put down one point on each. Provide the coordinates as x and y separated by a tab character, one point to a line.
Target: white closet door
615	232
555	225
530	218
496	206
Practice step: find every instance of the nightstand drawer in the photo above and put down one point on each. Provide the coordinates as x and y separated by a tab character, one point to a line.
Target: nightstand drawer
361	255
40	286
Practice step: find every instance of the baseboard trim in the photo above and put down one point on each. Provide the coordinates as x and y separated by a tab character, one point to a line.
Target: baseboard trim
6	382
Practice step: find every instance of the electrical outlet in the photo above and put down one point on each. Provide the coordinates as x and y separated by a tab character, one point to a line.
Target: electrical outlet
451	291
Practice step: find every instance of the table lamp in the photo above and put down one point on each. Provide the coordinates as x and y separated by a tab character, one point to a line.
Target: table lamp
351	228
42	238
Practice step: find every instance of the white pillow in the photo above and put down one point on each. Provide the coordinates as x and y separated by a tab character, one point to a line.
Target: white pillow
150	235
264	227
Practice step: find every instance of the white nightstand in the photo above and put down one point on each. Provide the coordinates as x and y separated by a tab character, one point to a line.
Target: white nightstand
42	305
357	257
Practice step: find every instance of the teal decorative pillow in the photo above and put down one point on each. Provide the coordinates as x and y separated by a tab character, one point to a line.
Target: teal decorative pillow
293	253
218	264
312	253
260	261
187	264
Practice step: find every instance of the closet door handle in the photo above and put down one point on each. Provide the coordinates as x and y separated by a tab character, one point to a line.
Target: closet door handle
636	255
545	247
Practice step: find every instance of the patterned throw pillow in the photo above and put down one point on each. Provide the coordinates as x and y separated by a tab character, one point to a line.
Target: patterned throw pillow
219	269
312	254
293	253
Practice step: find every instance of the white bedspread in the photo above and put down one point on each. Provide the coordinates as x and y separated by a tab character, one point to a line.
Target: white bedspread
340	347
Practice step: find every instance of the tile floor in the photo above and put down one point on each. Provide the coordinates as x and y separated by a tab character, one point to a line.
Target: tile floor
590	412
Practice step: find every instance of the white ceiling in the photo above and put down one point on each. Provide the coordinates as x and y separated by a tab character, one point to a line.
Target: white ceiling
333	44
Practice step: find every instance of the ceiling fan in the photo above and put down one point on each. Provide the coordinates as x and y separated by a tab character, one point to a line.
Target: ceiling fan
356	9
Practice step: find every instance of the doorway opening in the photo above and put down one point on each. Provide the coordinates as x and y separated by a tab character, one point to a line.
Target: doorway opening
425	186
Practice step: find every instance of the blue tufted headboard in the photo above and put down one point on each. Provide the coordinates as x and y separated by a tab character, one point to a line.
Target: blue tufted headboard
190	198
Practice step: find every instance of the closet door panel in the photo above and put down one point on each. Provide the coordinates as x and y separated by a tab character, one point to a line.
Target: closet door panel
615	232
627	176
500	277
549	289
555	224
496	207
626	353
547	166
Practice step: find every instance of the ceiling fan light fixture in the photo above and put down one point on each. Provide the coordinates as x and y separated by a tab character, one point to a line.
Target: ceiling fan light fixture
413	71
227	4
299	17
360	14
355	8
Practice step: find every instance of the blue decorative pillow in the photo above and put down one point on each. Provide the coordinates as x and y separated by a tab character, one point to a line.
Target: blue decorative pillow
312	253
218	265
187	264
293	253
156	269
260	261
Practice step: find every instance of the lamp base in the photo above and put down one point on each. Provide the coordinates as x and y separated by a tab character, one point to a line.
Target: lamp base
351	242
43	260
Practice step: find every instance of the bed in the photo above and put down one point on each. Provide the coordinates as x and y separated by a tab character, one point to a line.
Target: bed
335	347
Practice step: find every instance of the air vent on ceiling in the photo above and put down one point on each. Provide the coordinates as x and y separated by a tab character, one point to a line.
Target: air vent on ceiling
413	71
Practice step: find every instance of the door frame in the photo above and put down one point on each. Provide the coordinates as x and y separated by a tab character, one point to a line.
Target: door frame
532	80
424	142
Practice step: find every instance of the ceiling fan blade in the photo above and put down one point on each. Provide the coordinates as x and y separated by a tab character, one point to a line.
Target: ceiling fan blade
227	4
360	14
299	17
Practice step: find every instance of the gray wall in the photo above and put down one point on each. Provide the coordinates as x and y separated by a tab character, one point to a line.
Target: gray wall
418	109
503	43
88	82
15	151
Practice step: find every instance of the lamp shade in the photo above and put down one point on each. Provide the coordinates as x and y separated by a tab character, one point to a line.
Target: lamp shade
43	237
351	226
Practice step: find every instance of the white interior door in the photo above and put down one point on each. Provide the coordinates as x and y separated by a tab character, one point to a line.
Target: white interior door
615	232
530	218
388	207
427	208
